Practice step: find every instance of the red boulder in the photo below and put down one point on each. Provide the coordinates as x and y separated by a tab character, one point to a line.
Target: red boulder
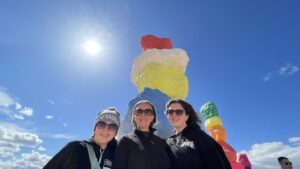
153	42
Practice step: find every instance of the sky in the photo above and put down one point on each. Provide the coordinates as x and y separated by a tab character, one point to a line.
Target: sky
244	56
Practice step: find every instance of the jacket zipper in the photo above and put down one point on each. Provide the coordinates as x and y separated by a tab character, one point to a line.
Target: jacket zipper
101	153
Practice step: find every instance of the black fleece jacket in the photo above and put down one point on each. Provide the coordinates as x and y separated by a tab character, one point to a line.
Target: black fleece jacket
75	156
141	150
194	149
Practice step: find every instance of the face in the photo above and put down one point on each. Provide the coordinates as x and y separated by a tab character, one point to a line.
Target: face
105	131
286	164
143	116
176	115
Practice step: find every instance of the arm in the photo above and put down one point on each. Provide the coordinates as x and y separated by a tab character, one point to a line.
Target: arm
121	154
63	159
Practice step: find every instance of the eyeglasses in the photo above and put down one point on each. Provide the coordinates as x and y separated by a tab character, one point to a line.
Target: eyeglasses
110	127
288	163
147	112
178	112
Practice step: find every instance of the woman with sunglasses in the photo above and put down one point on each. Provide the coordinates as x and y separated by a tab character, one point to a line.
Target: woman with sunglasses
142	149
190	147
95	153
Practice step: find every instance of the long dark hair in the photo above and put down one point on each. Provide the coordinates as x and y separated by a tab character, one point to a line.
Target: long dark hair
153	108
193	119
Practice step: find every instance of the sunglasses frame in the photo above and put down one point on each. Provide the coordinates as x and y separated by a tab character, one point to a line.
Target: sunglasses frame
178	112
111	127
288	163
146	112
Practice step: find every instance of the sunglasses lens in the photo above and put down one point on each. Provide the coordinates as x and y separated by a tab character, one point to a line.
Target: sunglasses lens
288	163
170	112
101	124
147	112
178	112
112	127
139	112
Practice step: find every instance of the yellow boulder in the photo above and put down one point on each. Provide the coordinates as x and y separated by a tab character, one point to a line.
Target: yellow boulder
213	121
169	80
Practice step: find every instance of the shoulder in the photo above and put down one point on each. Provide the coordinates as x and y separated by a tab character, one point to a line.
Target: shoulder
202	139
131	136
128	138
72	148
76	144
195	133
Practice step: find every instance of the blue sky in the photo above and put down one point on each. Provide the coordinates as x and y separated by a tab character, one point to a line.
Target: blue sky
244	56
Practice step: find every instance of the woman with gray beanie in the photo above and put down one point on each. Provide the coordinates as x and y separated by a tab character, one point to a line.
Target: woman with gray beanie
142	149
96	152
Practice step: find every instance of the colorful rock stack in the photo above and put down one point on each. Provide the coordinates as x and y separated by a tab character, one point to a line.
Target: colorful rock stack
159	74
161	67
213	124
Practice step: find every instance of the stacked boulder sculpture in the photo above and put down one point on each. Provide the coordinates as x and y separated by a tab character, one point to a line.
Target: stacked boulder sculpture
159	75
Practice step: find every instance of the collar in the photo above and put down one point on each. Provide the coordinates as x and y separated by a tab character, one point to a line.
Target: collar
139	132
186	130
112	143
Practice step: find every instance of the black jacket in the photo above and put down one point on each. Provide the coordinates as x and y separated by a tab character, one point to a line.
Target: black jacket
141	150
75	156
194	149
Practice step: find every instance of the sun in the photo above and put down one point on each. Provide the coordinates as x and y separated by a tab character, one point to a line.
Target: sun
92	47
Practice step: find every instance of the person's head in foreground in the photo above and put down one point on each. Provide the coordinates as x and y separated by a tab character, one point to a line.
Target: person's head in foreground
181	114
285	163
143	115
106	126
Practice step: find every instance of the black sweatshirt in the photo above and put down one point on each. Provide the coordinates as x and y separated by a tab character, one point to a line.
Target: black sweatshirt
141	150
75	156
194	149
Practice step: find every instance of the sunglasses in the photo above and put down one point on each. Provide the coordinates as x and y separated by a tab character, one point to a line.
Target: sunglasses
288	163
178	112
147	112
110	127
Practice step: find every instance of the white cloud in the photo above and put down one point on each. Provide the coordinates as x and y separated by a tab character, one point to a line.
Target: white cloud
5	99
41	148
51	101
8	149
49	117
63	136
264	155
18	116
12	139
294	139
13	109
21	138
33	160
288	69
18	106
27	111
267	77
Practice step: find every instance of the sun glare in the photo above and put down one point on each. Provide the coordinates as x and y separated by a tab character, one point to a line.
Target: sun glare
92	47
